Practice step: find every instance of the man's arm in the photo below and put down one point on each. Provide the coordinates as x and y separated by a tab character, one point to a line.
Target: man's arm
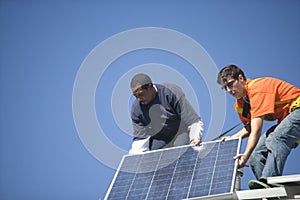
243	133
190	116
256	128
140	142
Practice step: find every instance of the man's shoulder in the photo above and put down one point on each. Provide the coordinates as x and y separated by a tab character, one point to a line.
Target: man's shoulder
170	89
263	81
264	84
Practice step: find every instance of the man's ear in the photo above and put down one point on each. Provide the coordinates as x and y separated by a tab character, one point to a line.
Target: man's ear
241	78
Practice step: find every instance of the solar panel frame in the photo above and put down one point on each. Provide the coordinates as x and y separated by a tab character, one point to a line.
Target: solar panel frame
166	173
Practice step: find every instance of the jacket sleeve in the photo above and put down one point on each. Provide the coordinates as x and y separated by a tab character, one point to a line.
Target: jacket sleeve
189	116
139	128
187	113
182	106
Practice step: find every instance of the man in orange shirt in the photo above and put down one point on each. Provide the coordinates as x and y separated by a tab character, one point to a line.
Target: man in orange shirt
258	100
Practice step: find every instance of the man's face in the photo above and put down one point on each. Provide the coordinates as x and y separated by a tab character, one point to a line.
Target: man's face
236	87
144	94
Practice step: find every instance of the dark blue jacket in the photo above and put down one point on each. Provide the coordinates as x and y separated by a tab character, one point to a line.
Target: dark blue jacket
165	116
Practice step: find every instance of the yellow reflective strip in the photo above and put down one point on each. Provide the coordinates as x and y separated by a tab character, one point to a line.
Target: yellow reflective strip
239	110
298	141
295	104
283	102
250	84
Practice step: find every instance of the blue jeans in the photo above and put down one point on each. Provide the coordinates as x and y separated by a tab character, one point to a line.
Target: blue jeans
270	154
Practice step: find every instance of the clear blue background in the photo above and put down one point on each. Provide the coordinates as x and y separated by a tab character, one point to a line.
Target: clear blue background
43	43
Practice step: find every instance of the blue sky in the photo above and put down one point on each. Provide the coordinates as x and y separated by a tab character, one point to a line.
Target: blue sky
46	45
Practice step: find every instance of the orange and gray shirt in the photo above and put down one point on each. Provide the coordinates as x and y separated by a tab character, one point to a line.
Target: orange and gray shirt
269	98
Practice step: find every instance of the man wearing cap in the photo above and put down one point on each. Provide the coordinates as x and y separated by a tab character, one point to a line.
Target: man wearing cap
161	116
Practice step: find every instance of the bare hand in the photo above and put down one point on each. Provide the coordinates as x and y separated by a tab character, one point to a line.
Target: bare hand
195	141
225	138
242	160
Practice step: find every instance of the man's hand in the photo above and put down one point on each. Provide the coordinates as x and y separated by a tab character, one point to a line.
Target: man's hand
242	160
226	138
256	127
195	141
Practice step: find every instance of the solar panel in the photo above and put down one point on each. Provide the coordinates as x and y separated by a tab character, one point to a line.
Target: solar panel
185	172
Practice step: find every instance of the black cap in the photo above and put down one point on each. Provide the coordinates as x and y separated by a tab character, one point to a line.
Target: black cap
140	80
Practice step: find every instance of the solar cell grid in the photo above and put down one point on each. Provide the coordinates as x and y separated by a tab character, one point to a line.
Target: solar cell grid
177	173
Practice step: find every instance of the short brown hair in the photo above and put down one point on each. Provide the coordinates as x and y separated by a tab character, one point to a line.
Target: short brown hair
231	71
